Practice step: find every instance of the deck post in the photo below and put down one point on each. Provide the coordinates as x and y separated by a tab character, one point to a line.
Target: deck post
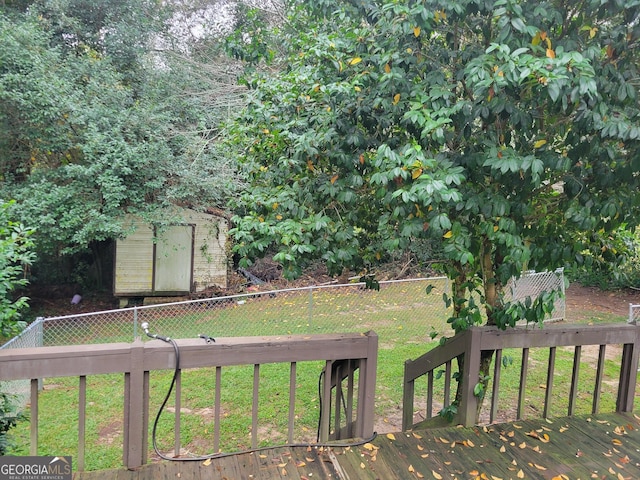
134	454
628	374
470	376
408	396
367	388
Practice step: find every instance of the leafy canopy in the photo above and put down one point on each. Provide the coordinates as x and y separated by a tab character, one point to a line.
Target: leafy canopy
508	131
96	123
16	253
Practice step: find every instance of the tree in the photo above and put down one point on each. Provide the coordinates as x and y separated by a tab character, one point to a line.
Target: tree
16	254
94	125
509	131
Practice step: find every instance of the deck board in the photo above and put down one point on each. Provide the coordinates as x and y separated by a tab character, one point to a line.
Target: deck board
605	446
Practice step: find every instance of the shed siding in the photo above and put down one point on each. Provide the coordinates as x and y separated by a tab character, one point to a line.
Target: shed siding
210	255
134	262
135	267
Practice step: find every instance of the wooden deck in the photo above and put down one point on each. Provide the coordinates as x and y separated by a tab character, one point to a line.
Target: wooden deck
603	446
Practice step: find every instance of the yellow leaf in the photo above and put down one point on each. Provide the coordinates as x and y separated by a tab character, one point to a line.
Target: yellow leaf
334	178
283	472
520	474
539	467
522	445
592	32
387	68
449	234
357	88
275	205
420	447
551	53
539	143
419	475
416	173
436	475
416	435
355	61
265	131
411	469
416	31
544	438
207	462
362	465
536	40
502	449
262	456
396	98
368	446
617	442
391	436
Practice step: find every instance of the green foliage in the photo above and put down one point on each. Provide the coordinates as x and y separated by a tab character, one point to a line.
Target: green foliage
502	130
94	124
611	261
16	254
9	418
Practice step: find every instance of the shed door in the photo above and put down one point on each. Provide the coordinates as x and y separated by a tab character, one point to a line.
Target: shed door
174	259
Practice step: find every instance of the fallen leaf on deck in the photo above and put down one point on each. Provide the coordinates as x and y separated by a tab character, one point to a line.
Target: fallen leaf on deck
436	475
391	436
207	462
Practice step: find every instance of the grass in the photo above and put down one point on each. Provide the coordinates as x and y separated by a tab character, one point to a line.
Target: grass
403	317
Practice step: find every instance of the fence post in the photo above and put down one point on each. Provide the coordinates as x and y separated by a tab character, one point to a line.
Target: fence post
310	309
135	322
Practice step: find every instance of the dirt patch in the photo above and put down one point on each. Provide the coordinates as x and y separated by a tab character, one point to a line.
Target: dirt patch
581	300
110	433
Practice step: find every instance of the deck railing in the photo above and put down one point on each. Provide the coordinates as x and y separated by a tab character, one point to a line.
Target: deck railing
470	344
343	354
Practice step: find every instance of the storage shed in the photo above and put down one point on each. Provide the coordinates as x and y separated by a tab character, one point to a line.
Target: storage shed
182	258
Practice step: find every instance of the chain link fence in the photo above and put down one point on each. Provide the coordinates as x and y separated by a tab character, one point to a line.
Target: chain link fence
399	312
634	313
